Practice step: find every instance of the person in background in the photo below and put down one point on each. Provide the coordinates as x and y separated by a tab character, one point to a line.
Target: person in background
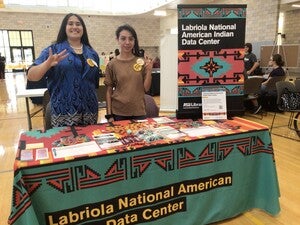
111	56
2	67
117	52
72	73
250	61
102	63
156	62
127	78
277	64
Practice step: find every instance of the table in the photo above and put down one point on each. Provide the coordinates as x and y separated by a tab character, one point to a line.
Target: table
27	93
176	180
296	121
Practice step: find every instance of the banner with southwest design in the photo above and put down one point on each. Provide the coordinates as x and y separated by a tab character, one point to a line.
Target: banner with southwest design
210	53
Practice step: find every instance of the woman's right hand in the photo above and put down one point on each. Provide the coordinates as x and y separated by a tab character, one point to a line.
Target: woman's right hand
54	59
36	72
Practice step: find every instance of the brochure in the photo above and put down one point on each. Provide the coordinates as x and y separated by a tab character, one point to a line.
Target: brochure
75	150
107	140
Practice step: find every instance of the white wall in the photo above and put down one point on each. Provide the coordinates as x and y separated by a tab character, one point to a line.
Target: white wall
168	73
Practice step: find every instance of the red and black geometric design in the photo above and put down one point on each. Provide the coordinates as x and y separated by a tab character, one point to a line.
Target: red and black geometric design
206	12
90	178
210	53
218	151
140	163
20	200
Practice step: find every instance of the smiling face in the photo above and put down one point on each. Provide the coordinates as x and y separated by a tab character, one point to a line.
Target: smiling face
74	28
126	41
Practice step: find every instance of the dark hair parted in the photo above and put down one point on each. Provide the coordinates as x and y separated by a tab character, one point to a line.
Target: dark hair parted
62	35
277	58
130	29
249	45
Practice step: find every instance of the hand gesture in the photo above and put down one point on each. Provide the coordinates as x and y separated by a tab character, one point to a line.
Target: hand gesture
54	59
148	64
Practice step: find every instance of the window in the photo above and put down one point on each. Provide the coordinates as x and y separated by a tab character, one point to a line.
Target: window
17	46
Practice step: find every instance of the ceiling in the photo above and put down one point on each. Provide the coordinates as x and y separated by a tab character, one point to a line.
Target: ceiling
285	5
169	5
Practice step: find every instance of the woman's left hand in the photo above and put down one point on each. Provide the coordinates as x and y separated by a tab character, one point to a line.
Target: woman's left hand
148	64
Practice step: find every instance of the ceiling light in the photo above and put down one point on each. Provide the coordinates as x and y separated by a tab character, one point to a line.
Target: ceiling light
160	13
297	6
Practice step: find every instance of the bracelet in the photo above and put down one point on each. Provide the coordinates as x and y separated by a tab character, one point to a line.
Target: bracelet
108	116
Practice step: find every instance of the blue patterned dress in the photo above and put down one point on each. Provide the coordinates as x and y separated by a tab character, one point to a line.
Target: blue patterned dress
72	86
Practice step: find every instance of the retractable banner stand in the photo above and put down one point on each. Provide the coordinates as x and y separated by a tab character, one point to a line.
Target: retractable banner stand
211	42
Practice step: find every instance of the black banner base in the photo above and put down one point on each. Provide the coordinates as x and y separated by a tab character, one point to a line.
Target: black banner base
188	114
237	112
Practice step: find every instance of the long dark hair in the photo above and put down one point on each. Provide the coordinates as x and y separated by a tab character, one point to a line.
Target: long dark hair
130	29
62	35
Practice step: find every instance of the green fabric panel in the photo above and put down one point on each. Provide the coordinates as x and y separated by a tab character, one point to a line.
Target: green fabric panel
97	186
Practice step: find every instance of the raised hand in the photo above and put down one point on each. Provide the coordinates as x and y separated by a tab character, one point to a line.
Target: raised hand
148	64
54	59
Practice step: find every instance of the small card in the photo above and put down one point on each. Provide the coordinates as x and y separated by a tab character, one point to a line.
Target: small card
163	119
26	155
35	145
41	153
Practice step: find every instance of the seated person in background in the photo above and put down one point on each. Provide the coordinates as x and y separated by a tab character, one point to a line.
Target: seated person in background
277	64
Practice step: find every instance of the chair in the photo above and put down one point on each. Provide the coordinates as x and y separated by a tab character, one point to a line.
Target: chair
281	87
269	99
46	111
152	109
47	118
271	85
297	117
252	89
252	86
42	83
297	84
101	94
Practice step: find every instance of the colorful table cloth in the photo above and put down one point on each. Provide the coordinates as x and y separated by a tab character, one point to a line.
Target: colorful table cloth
159	173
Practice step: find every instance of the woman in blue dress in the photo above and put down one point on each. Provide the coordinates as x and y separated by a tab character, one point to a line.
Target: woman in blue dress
72	74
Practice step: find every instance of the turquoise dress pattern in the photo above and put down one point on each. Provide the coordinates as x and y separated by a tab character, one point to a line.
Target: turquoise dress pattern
72	85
